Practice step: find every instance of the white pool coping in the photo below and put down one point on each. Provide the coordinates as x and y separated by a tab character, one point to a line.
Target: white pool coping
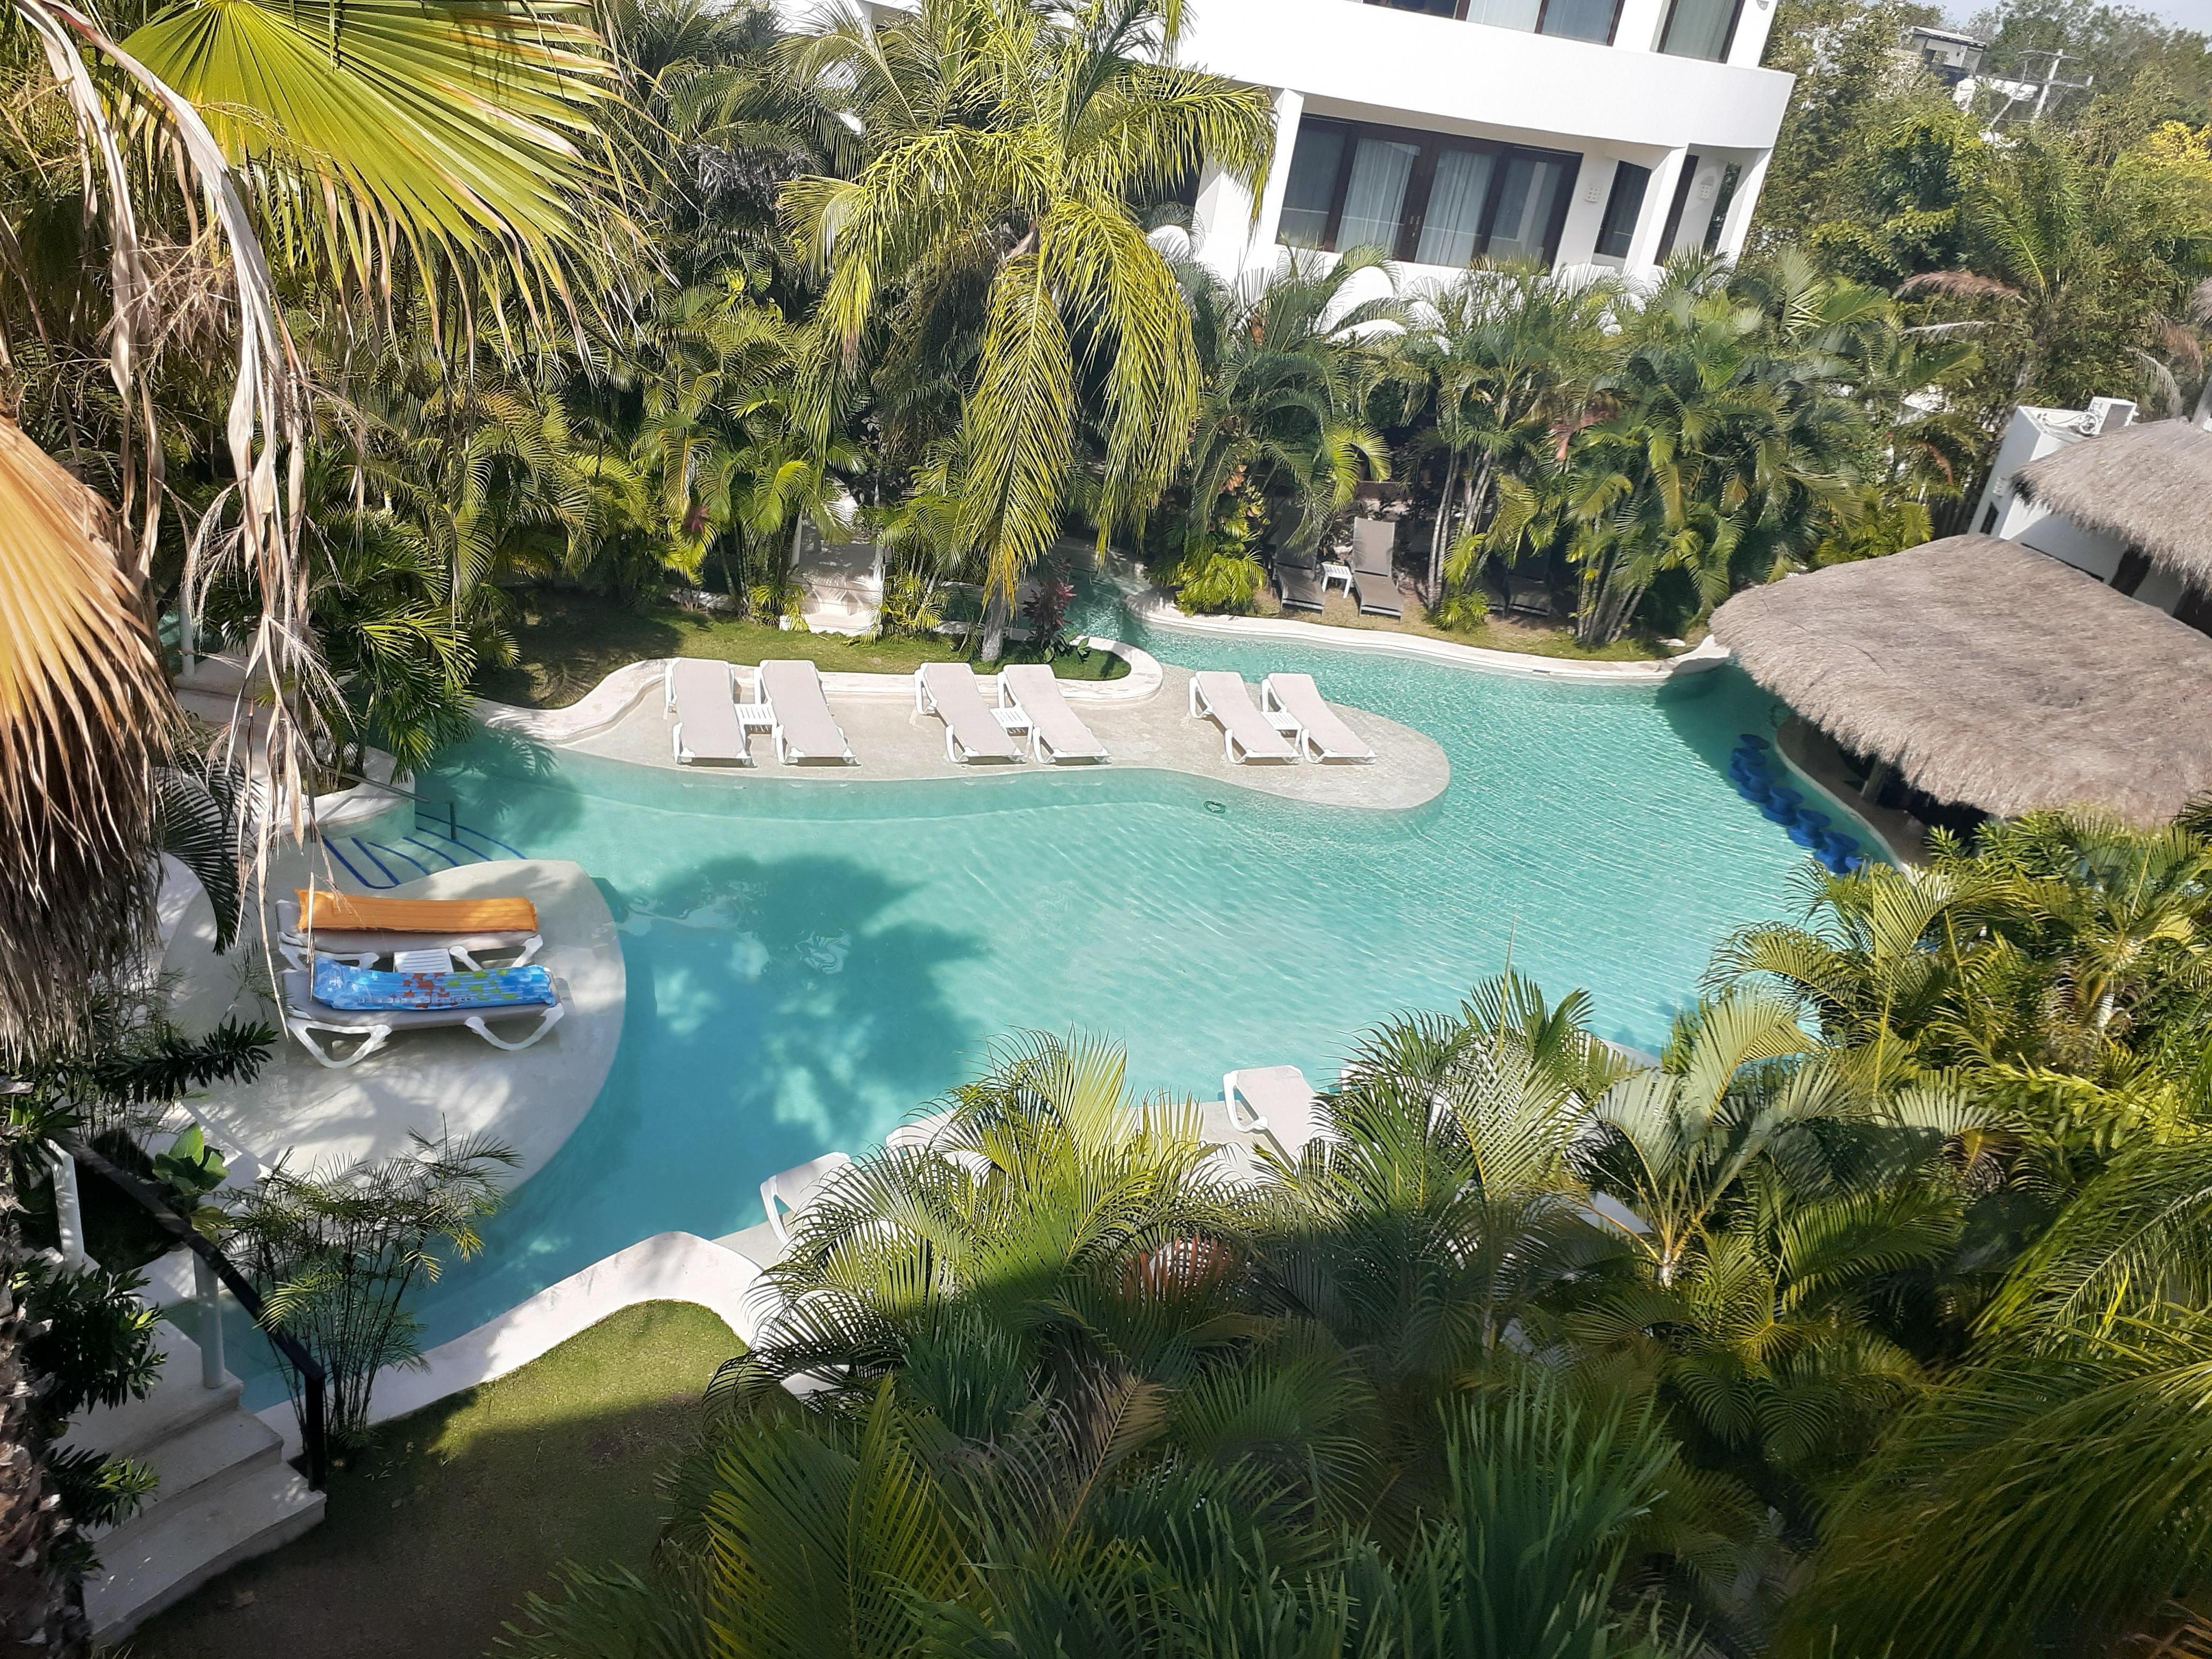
1154	608
613	697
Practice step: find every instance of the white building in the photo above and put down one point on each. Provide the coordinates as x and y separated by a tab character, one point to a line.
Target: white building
1581	132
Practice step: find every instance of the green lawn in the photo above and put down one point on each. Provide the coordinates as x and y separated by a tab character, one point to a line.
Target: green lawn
441	1527
567	642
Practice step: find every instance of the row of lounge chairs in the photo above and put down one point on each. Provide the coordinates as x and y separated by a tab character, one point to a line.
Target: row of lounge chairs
1029	705
1292	721
440	947
714	724
1299	581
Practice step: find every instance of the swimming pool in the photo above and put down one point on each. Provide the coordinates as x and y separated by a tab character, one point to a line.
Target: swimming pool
808	961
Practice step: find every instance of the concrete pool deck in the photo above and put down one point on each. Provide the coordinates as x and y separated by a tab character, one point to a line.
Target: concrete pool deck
1143	720
426	1082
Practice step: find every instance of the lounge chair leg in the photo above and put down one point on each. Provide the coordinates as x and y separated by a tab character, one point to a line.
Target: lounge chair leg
304	1029
477	1024
1194	698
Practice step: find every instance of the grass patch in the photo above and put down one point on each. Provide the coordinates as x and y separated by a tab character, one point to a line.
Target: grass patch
447	1519
567	642
1498	633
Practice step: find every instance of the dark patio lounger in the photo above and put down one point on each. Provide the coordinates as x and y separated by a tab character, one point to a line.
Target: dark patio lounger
1372	578
1298	578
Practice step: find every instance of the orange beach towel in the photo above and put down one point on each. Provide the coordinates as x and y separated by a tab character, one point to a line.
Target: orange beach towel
358	914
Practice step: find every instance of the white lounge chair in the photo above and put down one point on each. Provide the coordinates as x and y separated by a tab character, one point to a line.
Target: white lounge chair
796	1189
1056	732
922	1135
1277	1103
1246	734
704	697
1314	726
972	731
365	949
804	728
304	1017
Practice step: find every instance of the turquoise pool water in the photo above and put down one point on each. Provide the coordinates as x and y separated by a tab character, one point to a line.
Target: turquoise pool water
807	962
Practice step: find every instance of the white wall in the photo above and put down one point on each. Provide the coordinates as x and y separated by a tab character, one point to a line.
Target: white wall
1443	73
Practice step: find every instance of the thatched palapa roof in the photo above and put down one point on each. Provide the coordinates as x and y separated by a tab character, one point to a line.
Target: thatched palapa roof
1991	674
2147	484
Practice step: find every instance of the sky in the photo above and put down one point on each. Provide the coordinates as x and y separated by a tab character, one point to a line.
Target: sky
2187	14
2190	13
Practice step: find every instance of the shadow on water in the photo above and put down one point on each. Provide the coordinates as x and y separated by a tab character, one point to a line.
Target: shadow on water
506	784
776	1008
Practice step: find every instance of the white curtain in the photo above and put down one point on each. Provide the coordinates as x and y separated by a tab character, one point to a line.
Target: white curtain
1373	202
1454	215
1527	195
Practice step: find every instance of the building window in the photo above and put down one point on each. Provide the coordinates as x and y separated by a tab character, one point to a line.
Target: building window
1580	20
1730	176
1374	211
1676	206
1424	197
1567	20
1700	28
1451	229
1312	189
1622	206
2135	565
1989	520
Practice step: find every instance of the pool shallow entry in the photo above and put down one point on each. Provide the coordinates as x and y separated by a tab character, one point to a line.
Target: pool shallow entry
806	965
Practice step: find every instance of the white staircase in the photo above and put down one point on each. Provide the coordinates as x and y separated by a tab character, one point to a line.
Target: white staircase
225	1493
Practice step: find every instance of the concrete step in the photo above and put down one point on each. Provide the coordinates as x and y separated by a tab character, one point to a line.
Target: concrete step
224	1448
179	1402
184	1544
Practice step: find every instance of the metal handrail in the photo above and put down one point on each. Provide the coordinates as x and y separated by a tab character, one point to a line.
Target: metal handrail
314	1430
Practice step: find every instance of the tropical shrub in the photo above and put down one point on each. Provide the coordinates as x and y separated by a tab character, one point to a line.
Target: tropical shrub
334	1254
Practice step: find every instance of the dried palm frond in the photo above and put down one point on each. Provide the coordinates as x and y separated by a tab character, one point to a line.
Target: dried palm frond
85	713
1958	285
85	710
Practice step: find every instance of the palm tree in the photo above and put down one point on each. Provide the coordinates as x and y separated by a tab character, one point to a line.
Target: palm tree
1282	419
2121	911
1043	1196
1005	141
1670	1142
2069	258
2045	1494
1875	965
1770	1334
1724	457
458	137
1511	357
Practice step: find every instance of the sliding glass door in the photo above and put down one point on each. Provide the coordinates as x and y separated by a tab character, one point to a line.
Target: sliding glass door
1424	197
